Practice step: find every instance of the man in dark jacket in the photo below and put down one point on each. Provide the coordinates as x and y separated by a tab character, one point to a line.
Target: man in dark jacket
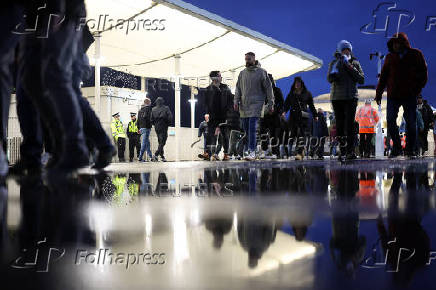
161	118
133	135
144	124
271	121
298	102
219	100
404	74
344	73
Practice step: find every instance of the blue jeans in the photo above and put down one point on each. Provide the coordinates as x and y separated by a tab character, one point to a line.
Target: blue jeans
250	126
409	107
145	142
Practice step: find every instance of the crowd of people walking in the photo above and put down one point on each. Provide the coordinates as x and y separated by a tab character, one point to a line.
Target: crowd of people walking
254	122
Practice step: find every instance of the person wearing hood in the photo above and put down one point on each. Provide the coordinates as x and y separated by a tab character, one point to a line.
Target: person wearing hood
252	89
144	124
404	74
161	118
344	73
298	102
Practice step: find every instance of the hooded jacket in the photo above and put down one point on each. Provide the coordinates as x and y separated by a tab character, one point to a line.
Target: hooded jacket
161	116
406	76
344	81
252	88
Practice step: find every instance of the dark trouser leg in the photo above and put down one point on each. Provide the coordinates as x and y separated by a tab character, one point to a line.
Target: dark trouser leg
338	108
350	113
132	146
320	147
121	144
391	117
302	136
224	140
138	146
31	102
212	139
59	51
263	131
31	130
362	144
162	139
409	107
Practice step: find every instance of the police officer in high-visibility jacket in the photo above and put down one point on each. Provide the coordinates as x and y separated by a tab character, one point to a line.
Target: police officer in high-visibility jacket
119	135
367	118
133	134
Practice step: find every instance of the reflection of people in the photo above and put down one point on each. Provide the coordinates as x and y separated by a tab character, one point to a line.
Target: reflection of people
219	227
255	237
405	230
347	247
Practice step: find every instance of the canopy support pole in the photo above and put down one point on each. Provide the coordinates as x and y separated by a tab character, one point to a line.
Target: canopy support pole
177	93
97	88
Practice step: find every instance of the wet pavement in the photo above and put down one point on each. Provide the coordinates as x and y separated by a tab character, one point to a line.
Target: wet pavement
366	224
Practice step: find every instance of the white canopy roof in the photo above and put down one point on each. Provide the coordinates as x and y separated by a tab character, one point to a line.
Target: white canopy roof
204	41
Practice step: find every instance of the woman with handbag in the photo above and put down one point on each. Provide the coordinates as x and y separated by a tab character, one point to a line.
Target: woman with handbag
298	102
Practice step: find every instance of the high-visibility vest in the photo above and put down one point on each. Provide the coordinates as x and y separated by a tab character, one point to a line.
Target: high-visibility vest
133	127
117	129
367	118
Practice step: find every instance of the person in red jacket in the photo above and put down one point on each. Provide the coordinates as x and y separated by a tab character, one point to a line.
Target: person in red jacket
404	74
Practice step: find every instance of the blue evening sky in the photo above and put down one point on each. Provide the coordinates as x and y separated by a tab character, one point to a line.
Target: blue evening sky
317	26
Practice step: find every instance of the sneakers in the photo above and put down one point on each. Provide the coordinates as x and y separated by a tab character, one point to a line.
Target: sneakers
394	154
411	155
299	156
351	156
251	156
204	156
163	159
154	159
214	158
